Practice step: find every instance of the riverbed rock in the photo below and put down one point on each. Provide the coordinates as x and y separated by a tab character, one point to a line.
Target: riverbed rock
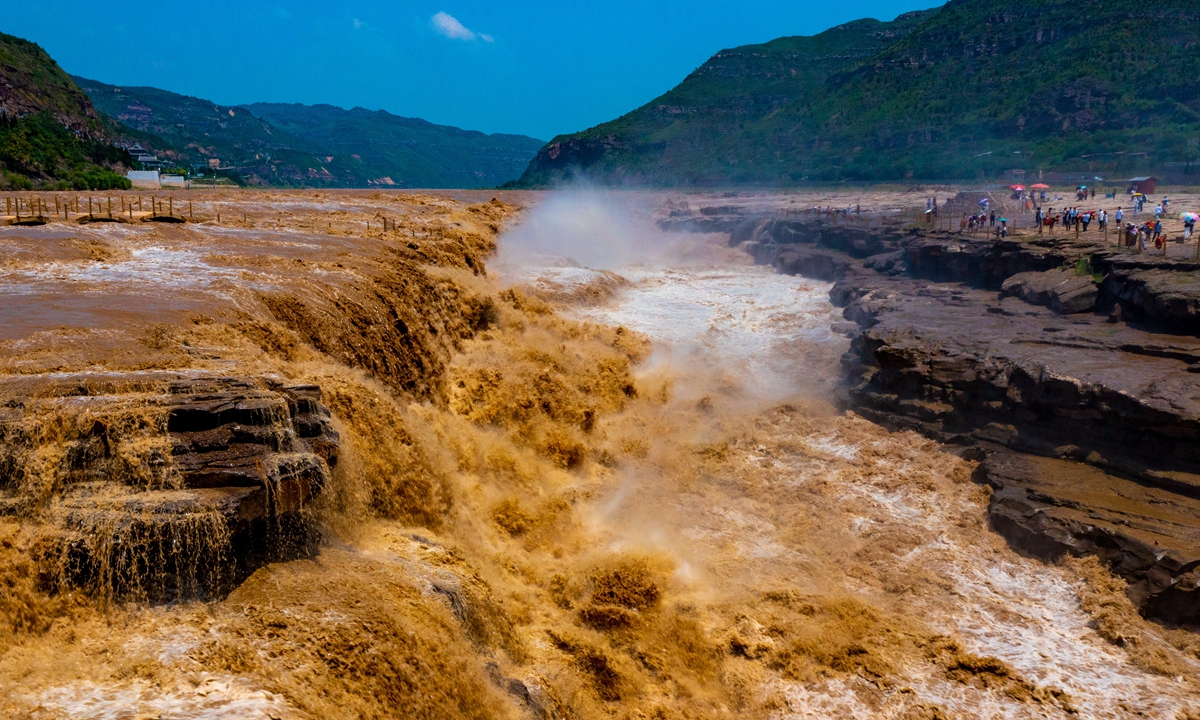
1064	290
1149	536
171	486
1089	422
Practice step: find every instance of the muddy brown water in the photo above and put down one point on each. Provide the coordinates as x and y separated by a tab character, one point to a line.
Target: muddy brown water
627	495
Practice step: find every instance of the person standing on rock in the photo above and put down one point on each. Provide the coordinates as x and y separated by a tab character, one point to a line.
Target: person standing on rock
1085	219
992	219
1120	216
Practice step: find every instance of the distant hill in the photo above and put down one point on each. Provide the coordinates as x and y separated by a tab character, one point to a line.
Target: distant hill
191	131
275	144
973	89
50	133
409	152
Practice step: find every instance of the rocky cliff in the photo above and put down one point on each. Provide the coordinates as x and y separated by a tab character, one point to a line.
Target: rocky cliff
31	82
1066	365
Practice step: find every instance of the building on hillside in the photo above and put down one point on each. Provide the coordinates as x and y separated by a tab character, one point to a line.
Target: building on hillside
1016	175
143	155
144	179
1144	185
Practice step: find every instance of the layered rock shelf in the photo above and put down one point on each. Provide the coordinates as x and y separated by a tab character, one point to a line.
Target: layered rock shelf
1067	365
160	484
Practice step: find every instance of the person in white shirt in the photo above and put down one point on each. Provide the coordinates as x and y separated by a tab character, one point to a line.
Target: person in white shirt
1158	212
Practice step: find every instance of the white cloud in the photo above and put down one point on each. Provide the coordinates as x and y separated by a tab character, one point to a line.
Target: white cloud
358	23
449	26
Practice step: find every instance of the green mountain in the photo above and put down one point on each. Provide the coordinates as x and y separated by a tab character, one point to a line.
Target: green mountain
185	130
50	134
973	89
273	144
406	151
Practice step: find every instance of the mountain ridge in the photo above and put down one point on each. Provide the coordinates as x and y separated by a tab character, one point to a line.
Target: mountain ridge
969	90
446	156
322	145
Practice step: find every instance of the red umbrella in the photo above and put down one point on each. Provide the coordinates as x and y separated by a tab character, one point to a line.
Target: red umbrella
1040	186
1016	187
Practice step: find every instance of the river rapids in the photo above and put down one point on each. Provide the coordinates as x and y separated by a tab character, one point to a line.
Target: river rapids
651	506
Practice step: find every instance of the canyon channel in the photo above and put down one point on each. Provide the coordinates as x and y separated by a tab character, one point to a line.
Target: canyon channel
586	455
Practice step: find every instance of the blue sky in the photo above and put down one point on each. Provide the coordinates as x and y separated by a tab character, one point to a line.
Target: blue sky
525	66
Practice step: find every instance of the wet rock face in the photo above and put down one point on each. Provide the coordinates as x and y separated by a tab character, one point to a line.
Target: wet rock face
231	433
1049	508
210	480
1090	425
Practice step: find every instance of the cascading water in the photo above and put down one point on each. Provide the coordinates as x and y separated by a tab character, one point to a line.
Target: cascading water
628	493
727	326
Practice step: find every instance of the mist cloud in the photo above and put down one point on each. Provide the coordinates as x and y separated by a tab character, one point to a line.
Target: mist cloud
595	229
447	25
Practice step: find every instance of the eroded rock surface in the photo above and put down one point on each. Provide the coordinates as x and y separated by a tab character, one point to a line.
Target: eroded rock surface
1080	395
160	484
1149	536
1064	290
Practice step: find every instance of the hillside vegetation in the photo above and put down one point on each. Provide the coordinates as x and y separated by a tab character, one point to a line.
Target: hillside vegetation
409	151
970	90
281	145
186	130
50	134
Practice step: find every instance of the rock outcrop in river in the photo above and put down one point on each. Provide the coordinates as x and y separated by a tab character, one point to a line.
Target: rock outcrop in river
163	485
1064	363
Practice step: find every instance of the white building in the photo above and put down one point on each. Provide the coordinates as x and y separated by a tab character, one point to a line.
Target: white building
144	179
174	181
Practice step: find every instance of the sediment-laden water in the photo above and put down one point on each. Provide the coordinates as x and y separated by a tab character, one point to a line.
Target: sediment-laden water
631	495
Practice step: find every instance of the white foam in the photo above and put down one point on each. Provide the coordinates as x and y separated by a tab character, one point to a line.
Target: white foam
749	321
212	697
